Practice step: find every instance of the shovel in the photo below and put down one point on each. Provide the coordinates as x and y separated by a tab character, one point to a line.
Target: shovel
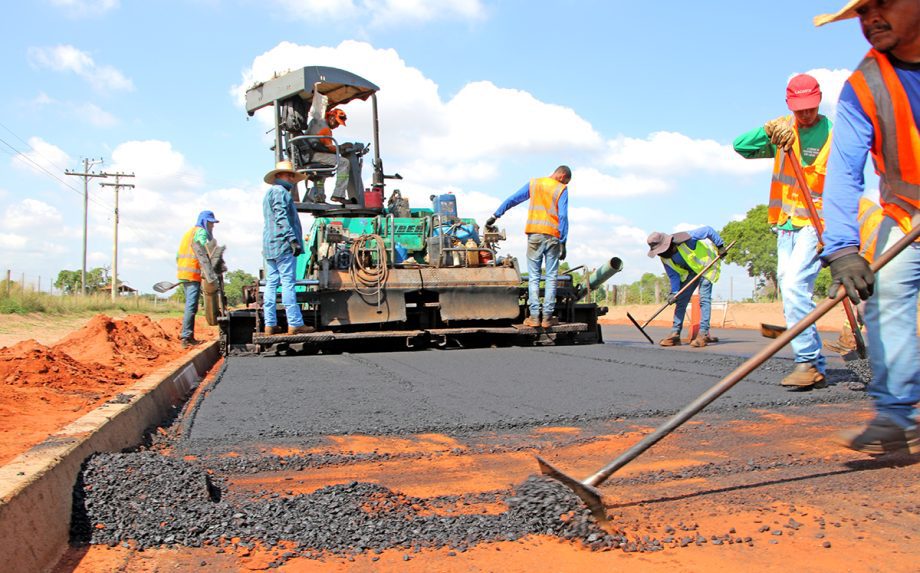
165	286
587	489
690	284
771	331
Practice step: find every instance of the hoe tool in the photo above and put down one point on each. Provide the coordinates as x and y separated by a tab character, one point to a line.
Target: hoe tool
772	331
689	285
587	489
164	286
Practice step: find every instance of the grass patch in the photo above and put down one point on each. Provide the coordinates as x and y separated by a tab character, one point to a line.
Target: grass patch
18	301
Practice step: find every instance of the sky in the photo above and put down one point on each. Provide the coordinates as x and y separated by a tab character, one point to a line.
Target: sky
476	97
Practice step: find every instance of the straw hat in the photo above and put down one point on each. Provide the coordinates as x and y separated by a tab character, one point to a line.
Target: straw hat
283	167
848	11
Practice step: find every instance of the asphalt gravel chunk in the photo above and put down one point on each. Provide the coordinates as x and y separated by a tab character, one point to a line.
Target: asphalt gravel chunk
149	500
260	398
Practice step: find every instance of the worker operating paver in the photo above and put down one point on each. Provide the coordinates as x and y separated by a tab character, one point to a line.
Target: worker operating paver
547	230
808	133
684	255
879	114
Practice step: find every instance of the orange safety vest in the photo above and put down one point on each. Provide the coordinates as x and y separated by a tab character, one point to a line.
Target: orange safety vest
870	217
189	269
543	216
785	198
895	141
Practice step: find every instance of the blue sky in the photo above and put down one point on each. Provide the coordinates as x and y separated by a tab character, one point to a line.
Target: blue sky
642	100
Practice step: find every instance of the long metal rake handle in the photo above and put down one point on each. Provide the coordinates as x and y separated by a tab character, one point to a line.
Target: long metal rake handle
746	368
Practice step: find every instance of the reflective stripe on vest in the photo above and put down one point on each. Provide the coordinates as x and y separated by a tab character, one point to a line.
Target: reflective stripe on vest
870	218
895	138
785	195
188	267
543	214
696	259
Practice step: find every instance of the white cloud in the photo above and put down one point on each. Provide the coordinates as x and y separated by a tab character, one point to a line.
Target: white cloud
12	241
49	156
66	58
82	8
156	165
418	127
738	217
591	183
665	152
31	214
383	12
87	112
680	227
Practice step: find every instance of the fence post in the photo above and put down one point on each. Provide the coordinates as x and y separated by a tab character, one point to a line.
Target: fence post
8	279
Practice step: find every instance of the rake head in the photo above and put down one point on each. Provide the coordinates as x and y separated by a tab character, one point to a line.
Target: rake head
588	494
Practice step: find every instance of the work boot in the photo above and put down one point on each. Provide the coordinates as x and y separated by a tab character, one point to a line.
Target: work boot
672	339
532	321
804	375
189	342
302	329
845	343
549	322
272	330
699	341
881	436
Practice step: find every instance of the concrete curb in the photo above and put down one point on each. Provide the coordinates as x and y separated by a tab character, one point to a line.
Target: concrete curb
36	488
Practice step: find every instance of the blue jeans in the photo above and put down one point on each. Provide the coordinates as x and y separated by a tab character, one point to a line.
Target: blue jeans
891	324
192	294
680	306
797	268
281	271
540	247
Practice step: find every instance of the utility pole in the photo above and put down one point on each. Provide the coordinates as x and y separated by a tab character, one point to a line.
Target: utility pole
117	185
86	175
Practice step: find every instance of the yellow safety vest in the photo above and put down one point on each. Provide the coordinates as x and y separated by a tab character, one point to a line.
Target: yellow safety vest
785	196
696	259
543	216
188	267
870	217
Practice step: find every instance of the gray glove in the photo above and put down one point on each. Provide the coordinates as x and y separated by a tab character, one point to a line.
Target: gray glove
491	221
853	272
672	298
562	251
723	250
295	246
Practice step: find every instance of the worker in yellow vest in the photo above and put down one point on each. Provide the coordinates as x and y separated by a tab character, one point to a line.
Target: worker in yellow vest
191	261
808	133
684	255
547	231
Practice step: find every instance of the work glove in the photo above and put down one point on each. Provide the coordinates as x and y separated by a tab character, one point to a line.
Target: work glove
562	251
781	134
672	298
295	246
853	272
491	221
723	250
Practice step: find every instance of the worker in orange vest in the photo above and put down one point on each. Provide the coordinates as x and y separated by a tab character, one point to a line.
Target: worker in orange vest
808	133
547	231
878	114
191	261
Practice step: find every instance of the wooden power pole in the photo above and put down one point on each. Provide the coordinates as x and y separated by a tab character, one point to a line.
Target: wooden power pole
117	185
86	175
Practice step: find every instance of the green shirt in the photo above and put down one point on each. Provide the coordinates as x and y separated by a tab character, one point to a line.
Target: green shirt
756	145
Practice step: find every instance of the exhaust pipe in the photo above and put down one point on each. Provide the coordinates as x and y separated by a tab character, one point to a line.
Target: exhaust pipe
600	276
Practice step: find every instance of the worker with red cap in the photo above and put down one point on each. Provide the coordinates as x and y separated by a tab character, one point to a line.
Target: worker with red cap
879	115
808	133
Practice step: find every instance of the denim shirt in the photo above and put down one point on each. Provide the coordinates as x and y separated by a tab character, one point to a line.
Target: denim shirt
282	223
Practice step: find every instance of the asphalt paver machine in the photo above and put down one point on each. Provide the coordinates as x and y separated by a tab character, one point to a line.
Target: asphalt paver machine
375	275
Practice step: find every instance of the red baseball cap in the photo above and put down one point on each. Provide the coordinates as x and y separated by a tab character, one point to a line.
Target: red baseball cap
803	92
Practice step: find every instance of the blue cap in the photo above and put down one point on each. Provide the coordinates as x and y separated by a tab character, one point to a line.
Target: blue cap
207	217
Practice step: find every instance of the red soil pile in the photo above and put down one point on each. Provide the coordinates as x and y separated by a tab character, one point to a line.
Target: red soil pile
132	343
31	364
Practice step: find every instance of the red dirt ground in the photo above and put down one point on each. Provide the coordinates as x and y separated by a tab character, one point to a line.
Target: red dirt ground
44	388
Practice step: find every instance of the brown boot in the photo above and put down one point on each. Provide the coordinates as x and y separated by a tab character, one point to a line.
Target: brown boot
532	321
302	329
699	341
272	330
549	322
804	375
672	339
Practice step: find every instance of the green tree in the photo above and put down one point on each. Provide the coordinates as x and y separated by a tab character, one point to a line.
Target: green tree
755	249
70	282
234	281
822	283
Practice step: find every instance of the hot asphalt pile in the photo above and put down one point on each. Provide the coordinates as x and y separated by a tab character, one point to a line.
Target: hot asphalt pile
148	500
